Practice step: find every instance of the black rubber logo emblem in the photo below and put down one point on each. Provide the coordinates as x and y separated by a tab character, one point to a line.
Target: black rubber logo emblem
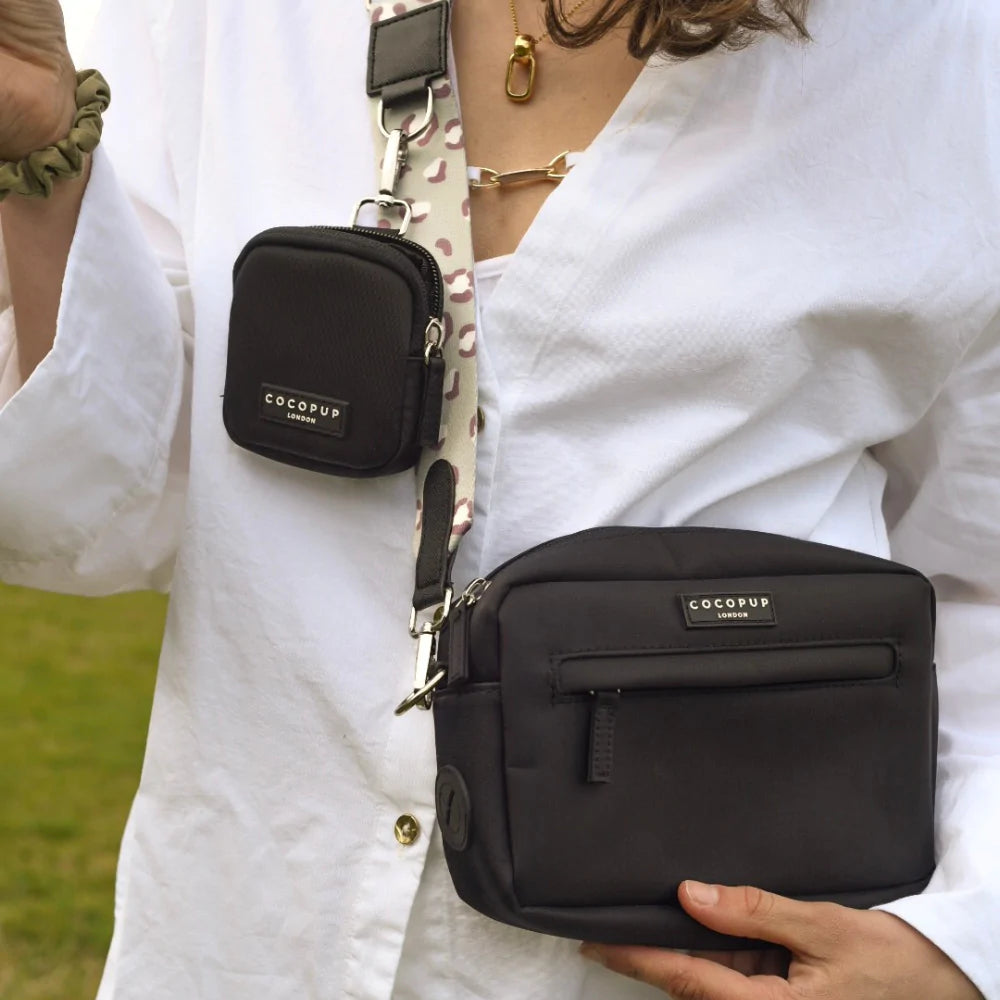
713	610
303	410
454	811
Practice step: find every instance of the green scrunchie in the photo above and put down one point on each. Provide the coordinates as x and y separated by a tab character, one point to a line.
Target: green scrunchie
35	174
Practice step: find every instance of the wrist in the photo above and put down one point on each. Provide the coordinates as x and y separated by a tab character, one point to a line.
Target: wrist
64	117
35	173
69	191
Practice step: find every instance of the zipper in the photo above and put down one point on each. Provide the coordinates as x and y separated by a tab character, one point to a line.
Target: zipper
764	666
387	236
552	543
480	586
460	615
474	592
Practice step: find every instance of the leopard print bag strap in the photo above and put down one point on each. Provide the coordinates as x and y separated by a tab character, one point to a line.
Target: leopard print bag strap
424	189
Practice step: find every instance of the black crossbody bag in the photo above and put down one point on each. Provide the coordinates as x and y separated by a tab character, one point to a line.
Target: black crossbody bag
627	708
618	710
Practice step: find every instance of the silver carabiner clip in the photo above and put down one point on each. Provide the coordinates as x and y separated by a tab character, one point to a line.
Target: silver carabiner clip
426	634
423	684
393	161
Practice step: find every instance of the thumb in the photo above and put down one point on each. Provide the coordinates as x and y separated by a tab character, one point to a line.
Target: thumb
805	929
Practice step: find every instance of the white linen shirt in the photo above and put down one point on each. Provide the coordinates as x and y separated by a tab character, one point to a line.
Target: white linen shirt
767	298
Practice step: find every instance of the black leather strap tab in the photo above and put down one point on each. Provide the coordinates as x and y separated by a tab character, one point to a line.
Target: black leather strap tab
430	429
601	762
433	559
408	51
456	658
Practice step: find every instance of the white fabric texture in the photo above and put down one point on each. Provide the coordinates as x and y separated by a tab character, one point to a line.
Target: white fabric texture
767	295
488	274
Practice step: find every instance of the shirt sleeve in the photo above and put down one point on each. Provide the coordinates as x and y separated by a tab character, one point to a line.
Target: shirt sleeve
943	504
93	446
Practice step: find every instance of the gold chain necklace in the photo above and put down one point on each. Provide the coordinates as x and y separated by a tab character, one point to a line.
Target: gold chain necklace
524	55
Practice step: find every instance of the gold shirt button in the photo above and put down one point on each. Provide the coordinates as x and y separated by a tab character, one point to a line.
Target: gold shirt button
407	829
480	419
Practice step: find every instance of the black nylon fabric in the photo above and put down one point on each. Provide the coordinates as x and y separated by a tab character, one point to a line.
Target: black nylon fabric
333	315
801	760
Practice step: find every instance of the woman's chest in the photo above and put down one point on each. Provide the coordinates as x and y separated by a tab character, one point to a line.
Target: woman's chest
720	241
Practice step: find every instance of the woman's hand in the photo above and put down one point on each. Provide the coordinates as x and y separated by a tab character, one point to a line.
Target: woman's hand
37	77
836	953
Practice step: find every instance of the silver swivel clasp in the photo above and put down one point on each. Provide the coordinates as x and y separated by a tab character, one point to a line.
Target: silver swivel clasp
397	149
426	675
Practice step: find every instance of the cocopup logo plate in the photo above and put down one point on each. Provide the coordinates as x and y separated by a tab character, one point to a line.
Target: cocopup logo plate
303	410
714	610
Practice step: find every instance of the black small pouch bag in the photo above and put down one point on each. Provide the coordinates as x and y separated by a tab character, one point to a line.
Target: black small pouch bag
334	350
627	708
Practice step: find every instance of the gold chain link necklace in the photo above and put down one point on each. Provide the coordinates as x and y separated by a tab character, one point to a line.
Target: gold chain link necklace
524	55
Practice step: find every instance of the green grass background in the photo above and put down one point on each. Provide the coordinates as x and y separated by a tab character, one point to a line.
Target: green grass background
76	683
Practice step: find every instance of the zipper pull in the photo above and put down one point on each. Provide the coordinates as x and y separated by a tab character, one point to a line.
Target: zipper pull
457	633
433	338
474	592
430	428
601	755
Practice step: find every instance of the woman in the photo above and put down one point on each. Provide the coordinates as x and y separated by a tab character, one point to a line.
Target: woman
765	297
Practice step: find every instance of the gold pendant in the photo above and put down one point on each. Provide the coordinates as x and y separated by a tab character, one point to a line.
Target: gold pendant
523	55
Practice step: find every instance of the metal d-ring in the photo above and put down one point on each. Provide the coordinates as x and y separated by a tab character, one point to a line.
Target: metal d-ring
420	129
442	610
386	203
422	697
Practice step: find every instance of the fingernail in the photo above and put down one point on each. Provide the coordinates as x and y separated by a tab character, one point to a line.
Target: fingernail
703	895
592	954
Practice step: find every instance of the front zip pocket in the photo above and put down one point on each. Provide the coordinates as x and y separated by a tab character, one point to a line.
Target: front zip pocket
608	677
744	667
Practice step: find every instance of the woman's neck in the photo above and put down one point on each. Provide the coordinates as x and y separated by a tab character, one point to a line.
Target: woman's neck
575	93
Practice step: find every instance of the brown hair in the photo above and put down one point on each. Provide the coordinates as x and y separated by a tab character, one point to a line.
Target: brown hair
679	28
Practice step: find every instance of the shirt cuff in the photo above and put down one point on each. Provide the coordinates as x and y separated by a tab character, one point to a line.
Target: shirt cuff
963	925
88	436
